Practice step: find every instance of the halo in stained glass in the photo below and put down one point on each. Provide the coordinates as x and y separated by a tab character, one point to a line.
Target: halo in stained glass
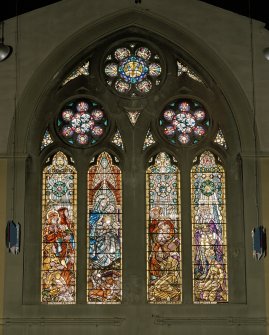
132	69
82	122
184	121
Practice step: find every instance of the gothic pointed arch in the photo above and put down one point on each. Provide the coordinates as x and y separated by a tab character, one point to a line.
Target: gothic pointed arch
180	138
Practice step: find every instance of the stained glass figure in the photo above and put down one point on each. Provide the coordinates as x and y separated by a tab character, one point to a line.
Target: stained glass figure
82	70
47	140
184	69
132	69
82	122
59	225
133	116
220	139
104	232
164	278
209	242
117	140
149	140
184	121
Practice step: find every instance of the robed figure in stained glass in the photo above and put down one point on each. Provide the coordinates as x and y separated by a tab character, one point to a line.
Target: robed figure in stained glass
209	231
163	228
104	263
59	231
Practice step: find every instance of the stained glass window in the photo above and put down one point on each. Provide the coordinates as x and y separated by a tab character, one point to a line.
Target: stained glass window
104	232
164	278
184	69
47	140
184	121
59	222
220	139
82	122
82	70
133	117
132	69
209	250
117	140
149	140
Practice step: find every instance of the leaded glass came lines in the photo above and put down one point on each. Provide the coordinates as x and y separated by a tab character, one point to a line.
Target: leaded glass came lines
59	224
82	122
209	242
132	69
104	232
164	275
184	121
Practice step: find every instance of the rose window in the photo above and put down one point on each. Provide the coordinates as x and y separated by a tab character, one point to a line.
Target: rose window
82	122
184	121
133	69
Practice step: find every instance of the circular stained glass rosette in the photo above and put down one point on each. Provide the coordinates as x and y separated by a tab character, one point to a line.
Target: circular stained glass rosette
132	70
184	121
82	122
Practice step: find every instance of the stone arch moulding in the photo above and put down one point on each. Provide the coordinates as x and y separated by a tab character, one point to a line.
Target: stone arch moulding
34	96
32	102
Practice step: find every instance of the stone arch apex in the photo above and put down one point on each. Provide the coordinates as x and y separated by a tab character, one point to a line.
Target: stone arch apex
135	20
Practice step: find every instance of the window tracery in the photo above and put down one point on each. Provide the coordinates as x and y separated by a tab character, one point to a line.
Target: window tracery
133	70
